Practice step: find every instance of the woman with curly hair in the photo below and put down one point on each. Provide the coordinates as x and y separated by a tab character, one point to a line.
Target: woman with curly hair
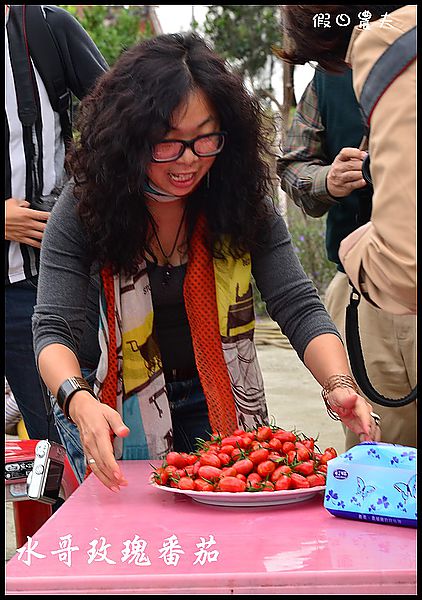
166	220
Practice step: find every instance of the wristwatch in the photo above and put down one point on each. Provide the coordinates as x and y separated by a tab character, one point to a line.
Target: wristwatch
66	391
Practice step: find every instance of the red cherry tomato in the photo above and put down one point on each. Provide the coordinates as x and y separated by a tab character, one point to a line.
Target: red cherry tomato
276	444
179	473
233	440
176	459
299	481
203	486
161	476
231	484
246	441
326	457
209	473
239	432
279	471
224	458
303	453
229	472
258	456
332	450
265	468
316	479
305	468
244	466
274	456
227	449
209	458
196	467
186	483
170	469
254	480
192	458
237	454
264	459
267	486
310	444
288	446
283	483
285	436
291	456
264	434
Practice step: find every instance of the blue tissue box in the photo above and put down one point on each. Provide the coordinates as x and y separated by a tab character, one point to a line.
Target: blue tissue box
373	482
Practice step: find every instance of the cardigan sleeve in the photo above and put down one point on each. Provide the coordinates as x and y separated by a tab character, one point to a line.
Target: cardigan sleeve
291	298
67	309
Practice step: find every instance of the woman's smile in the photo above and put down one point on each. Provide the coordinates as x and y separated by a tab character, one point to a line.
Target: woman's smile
182	180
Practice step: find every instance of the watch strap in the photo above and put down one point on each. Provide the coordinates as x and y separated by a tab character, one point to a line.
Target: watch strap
66	391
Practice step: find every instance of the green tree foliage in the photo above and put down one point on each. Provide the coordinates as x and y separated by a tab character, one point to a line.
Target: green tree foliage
113	28
244	36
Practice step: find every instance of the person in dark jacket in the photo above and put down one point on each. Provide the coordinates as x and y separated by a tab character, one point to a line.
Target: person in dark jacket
34	168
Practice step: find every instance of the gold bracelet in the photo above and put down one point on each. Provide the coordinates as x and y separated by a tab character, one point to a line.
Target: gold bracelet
333	382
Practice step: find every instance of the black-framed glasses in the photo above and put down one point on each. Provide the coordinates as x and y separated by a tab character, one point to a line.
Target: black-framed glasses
203	146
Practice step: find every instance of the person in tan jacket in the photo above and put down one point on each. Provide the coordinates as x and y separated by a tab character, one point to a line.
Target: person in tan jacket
379	257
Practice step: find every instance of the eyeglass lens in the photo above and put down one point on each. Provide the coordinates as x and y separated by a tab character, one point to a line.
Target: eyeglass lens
202	146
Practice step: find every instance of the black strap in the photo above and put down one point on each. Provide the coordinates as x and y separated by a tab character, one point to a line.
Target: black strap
22	69
23	76
357	362
390	64
396	59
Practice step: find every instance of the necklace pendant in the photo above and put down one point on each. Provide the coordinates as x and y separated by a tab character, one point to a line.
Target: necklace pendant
167	274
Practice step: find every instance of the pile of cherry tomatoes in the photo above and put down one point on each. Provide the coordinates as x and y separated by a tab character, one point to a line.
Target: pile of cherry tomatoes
264	459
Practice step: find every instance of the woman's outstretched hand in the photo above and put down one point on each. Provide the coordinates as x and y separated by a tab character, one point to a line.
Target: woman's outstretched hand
95	422
356	413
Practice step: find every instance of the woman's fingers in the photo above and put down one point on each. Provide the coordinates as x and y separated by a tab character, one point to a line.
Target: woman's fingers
356	413
98	447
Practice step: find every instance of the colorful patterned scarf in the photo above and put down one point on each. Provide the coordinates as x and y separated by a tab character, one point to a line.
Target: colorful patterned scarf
219	305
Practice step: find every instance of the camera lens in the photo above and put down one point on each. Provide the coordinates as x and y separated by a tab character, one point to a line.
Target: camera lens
366	172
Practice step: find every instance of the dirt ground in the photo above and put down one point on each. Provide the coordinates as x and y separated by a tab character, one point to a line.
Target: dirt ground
293	398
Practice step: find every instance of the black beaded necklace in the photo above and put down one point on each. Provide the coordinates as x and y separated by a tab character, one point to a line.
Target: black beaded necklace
168	266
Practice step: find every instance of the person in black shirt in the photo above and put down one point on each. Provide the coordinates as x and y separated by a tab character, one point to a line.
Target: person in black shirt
170	205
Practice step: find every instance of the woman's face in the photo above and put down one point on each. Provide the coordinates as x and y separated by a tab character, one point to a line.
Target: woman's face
180	177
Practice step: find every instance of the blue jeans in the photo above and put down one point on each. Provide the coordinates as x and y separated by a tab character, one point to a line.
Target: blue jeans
189	415
20	365
69	434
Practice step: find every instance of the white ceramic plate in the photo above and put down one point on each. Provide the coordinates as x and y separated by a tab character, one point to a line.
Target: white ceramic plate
246	499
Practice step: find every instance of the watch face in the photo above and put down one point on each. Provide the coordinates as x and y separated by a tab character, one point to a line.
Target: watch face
69	387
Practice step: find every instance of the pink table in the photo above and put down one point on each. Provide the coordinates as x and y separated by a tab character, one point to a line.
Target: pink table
144	541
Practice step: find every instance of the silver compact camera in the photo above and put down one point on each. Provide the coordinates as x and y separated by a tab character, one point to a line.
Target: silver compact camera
43	482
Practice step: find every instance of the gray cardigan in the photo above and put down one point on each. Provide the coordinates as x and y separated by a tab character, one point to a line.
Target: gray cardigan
67	303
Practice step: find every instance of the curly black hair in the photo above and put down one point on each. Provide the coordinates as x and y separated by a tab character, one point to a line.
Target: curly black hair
128	111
